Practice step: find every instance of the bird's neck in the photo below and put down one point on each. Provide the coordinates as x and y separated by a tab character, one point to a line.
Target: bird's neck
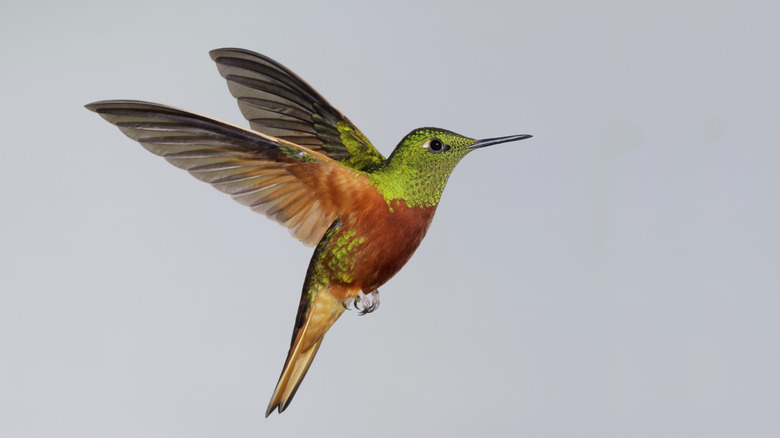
414	186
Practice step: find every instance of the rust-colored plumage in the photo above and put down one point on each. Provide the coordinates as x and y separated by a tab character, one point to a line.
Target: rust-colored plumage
309	168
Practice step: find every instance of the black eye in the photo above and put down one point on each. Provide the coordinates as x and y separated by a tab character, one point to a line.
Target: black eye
436	145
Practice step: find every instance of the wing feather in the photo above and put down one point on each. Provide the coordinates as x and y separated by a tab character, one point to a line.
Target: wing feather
277	102
257	170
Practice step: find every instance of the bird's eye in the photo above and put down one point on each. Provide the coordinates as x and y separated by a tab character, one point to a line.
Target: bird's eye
436	146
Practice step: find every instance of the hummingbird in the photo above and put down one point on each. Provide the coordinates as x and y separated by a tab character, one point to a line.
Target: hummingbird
308	167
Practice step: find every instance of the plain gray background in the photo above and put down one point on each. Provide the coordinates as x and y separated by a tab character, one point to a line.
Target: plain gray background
615	276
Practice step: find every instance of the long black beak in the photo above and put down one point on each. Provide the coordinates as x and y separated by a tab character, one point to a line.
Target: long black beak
492	141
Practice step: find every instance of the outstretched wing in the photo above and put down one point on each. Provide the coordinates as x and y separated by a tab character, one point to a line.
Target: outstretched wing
279	103
279	179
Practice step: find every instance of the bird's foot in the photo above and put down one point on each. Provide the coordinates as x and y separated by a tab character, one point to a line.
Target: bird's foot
366	303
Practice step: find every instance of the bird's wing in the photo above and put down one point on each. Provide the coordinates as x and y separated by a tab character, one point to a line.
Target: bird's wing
279	103
286	182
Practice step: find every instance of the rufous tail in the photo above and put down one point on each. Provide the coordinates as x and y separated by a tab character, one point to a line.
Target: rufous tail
318	316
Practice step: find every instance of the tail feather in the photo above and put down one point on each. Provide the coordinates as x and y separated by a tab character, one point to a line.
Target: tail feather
319	317
291	378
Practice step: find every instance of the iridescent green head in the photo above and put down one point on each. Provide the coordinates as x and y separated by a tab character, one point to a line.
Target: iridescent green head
420	165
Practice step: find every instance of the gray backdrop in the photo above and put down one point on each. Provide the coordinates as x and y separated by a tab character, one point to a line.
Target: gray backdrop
615	276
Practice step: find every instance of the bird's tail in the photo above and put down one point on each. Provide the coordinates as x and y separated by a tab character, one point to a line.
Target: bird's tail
315	317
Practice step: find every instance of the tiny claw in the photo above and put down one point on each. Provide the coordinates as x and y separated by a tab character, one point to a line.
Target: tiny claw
356	304
369	302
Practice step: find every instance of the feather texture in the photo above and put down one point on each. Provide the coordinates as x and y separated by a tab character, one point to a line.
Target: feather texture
277	102
259	171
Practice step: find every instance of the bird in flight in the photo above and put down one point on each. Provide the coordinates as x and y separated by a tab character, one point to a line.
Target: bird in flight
308	167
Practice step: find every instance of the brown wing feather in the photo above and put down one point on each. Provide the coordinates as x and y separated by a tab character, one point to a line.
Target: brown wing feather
271	176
